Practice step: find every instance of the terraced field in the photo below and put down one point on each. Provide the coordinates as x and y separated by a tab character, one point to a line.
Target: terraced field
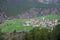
17	24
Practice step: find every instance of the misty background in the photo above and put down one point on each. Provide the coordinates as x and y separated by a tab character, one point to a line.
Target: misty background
15	7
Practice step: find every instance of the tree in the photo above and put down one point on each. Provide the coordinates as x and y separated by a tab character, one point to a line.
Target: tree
27	36
56	33
40	34
36	34
1	38
14	38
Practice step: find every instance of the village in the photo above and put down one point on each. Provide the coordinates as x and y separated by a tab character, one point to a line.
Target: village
43	22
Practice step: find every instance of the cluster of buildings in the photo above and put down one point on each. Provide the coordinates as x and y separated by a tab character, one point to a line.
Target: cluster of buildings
43	22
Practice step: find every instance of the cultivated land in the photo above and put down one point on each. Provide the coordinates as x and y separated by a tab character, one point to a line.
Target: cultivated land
17	24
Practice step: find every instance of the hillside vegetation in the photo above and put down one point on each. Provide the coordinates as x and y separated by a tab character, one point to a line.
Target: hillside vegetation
17	24
52	16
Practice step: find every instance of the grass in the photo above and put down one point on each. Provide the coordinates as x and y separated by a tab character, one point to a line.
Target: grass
17	24
50	17
11	25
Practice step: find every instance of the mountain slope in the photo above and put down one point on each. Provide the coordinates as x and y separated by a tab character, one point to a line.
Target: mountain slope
15	7
35	12
17	24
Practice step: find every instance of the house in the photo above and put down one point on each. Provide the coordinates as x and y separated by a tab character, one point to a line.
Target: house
43	22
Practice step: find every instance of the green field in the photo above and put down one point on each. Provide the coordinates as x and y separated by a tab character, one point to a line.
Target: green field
50	17
17	24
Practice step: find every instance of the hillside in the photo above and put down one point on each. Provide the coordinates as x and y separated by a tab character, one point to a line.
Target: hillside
51	16
17	24
35	12
15	7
